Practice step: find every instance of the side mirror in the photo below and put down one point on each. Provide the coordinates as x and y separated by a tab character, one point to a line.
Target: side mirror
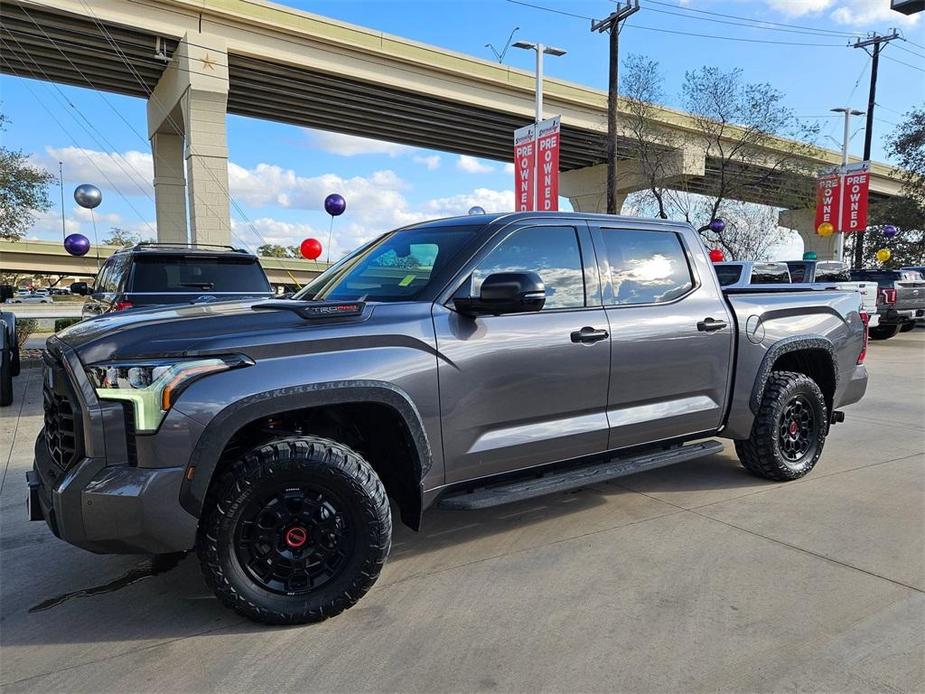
80	288
505	292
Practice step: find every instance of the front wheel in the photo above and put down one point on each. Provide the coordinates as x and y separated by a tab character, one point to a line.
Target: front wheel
883	332
789	430
295	531
907	326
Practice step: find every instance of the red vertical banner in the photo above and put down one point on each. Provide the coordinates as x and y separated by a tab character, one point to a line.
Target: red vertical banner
524	168
856	184
828	200
547	172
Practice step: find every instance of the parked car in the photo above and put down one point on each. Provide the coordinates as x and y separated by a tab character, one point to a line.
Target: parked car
9	352
745	273
468	362
59	291
35	296
900	299
154	274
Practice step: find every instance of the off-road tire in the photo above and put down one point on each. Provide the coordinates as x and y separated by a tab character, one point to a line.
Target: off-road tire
762	453
883	332
279	467
907	326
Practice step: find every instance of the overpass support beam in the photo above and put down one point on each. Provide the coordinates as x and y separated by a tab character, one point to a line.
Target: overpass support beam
188	106
587	188
803	221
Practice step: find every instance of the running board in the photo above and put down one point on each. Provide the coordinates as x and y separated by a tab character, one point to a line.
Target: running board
574	478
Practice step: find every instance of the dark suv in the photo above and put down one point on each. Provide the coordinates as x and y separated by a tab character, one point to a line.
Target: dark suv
153	274
900	299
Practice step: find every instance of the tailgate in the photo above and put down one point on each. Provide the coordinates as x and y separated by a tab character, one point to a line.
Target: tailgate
910	295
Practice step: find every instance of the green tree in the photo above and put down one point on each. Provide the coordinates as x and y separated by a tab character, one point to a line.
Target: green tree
23	191
121	237
272	250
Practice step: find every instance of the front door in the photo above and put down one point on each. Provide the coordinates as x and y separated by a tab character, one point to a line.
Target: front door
671	337
525	389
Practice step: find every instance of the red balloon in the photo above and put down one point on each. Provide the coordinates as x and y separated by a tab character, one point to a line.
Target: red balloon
716	255
311	249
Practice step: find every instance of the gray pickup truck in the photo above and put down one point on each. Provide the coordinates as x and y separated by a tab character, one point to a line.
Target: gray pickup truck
465	362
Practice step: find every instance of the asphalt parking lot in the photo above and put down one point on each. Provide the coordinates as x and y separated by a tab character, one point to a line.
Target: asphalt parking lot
696	577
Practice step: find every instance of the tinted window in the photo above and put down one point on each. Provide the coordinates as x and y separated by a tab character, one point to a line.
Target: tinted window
551	252
832	271
799	272
646	267
883	278
396	267
728	274
770	273
164	273
104	278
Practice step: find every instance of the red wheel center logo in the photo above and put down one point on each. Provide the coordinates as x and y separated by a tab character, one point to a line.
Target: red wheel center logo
793	428
296	537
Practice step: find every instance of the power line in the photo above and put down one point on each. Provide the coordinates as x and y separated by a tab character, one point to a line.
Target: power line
903	48
908	65
736	23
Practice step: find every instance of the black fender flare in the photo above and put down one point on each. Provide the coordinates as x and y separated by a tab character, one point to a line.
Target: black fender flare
227	422
785	346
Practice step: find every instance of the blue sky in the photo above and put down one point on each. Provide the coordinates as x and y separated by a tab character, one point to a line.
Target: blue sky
280	173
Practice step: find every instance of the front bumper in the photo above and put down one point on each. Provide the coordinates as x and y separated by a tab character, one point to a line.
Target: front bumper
90	486
116	509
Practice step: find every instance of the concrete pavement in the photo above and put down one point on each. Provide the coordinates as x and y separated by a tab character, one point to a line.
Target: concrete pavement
696	577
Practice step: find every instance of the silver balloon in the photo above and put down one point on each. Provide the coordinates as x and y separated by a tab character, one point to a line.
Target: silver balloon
476	210
88	196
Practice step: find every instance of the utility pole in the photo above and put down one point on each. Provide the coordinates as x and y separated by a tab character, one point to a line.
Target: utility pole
877	42
61	185
611	24
848	111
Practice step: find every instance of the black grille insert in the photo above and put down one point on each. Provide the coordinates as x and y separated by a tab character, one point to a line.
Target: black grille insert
63	427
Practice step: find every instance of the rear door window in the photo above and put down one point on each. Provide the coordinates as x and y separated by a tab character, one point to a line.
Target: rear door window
646	267
191	274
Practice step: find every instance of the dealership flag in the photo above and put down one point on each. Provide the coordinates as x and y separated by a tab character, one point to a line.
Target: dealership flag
524	168
841	198
828	200
547	179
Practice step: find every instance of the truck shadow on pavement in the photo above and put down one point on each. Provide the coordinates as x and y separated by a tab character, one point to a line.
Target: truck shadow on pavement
80	597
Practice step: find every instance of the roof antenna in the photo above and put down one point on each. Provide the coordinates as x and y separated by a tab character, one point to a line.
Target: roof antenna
500	56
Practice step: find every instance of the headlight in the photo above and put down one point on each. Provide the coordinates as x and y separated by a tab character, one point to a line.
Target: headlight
153	385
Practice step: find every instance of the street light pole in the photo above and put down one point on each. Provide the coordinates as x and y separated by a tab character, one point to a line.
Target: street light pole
848	111
541	50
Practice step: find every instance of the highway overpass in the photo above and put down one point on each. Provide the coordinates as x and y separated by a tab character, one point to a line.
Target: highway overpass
196	60
50	258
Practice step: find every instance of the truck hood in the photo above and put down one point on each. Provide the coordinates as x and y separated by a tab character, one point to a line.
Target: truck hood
245	327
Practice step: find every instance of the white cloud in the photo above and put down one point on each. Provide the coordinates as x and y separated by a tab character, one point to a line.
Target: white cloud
130	172
472	165
860	13
352	145
509	169
430	162
490	200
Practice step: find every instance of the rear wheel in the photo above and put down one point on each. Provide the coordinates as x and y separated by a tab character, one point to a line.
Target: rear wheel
883	332
789	430
907	326
295	531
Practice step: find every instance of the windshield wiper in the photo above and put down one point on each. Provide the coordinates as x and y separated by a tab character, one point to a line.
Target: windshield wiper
201	285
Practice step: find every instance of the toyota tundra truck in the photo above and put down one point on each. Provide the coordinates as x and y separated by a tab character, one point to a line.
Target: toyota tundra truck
464	363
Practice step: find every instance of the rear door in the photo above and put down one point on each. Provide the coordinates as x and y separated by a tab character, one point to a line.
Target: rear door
671	336
525	389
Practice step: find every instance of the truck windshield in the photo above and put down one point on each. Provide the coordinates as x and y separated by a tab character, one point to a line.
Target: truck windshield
398	266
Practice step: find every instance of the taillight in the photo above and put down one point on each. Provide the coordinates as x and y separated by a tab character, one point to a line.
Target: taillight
122	305
886	296
865	319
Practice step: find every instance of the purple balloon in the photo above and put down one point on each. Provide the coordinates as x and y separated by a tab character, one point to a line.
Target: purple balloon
77	244
717	225
335	205
890	231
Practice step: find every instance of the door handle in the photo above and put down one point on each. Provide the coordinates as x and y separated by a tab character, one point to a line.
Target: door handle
708	325
588	335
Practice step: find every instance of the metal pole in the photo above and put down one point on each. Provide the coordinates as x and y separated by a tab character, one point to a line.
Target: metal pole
61	185
840	243
539	82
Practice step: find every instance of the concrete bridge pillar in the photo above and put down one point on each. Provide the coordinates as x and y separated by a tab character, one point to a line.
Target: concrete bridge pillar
186	124
587	188
803	221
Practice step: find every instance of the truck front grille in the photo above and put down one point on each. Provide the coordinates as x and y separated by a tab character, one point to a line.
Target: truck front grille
63	426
